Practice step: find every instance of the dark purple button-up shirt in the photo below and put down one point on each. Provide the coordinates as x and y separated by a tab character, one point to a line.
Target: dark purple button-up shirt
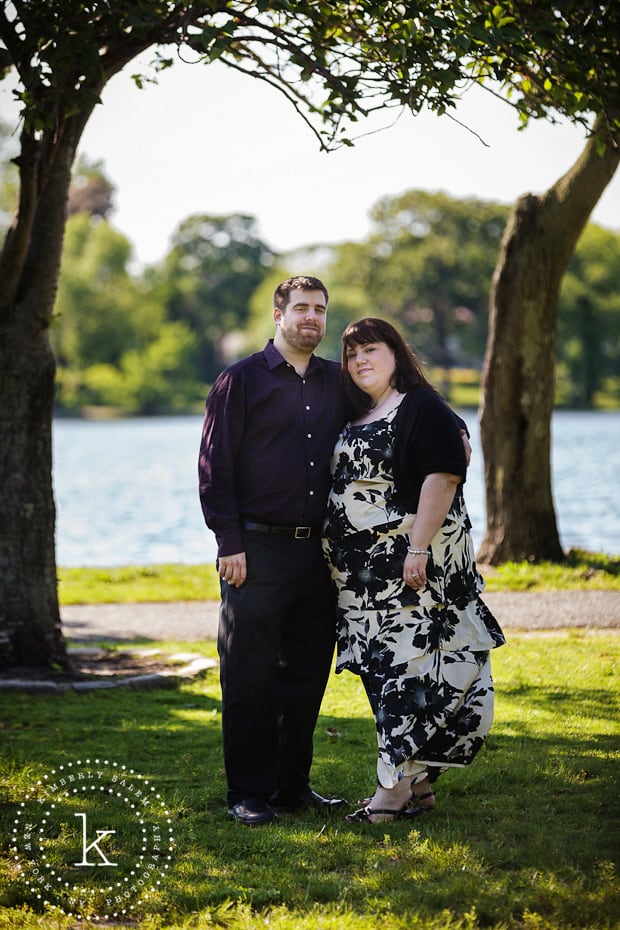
267	440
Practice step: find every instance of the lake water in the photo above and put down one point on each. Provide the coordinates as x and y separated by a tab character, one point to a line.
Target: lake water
127	490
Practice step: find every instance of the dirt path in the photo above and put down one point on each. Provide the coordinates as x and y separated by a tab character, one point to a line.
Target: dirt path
192	621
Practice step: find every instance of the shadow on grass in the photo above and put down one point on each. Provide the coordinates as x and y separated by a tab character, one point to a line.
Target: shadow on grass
594	703
529	827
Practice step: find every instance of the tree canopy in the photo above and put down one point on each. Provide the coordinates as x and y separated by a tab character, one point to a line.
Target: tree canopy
589	319
208	278
334	61
427	265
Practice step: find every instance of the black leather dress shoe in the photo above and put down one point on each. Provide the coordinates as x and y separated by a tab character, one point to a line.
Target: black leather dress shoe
252	812
308	800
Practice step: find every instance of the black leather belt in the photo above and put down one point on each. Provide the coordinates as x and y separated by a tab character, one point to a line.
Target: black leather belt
298	532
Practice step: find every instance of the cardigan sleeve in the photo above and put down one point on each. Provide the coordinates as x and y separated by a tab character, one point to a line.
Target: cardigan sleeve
427	441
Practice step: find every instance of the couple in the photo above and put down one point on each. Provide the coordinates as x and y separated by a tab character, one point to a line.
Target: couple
312	475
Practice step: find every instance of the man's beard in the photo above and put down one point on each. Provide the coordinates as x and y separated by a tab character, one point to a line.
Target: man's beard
304	339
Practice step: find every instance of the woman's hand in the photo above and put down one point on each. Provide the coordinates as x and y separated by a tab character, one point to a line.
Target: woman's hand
436	498
466	446
414	570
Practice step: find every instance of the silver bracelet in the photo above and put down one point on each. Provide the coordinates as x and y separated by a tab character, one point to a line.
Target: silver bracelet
417	551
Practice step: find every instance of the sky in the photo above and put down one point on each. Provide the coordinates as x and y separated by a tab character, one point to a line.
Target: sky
206	139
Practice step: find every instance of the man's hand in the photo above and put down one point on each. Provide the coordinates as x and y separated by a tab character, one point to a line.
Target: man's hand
232	569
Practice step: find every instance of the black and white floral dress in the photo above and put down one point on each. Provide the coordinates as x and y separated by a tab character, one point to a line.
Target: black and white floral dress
423	656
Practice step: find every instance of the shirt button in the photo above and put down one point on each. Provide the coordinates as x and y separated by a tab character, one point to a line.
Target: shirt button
309	435
307	406
311	493
312	464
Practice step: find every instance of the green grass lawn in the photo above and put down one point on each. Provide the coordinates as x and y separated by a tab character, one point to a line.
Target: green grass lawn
524	839
582	571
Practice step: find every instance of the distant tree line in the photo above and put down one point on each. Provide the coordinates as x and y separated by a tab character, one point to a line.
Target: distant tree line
153	341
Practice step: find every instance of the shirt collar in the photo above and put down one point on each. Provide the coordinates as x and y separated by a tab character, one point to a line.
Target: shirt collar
274	358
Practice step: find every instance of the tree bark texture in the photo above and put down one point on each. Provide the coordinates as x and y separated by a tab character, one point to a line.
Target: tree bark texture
30	631
519	370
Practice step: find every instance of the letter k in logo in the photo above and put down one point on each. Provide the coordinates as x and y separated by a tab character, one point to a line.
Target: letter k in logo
101	834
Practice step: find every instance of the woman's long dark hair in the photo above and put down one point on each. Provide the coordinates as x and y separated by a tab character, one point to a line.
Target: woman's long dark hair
408	372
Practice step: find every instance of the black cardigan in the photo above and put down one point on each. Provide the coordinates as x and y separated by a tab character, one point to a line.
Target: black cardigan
427	439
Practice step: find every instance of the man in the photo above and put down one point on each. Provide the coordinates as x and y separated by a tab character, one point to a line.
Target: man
270	426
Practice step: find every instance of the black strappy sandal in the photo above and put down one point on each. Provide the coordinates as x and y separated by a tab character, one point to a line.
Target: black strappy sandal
410	809
428	796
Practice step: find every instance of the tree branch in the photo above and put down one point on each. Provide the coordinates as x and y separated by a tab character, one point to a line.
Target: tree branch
15	251
276	83
579	189
277	37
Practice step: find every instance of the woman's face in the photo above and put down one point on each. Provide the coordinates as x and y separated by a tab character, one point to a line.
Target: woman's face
371	366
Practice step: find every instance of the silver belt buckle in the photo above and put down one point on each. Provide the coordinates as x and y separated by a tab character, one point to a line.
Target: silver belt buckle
303	532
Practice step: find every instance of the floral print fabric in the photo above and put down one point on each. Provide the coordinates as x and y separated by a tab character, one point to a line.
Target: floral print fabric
422	655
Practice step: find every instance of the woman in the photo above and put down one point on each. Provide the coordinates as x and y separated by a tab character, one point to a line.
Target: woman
412	624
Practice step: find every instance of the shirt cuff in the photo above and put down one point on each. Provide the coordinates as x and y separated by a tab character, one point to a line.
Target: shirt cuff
230	544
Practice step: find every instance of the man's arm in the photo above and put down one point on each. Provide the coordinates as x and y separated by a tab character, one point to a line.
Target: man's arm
222	431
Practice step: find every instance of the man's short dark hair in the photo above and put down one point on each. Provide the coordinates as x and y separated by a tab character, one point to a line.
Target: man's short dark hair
301	282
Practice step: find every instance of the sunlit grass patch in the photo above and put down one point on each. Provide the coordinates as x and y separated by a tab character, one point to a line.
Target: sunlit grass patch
160	583
524	839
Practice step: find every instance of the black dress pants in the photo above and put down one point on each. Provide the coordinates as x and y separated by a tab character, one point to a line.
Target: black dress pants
276	641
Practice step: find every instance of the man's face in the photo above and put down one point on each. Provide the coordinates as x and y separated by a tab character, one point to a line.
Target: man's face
302	323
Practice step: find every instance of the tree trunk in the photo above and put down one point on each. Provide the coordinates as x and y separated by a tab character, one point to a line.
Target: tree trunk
30	629
519	370
30	632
